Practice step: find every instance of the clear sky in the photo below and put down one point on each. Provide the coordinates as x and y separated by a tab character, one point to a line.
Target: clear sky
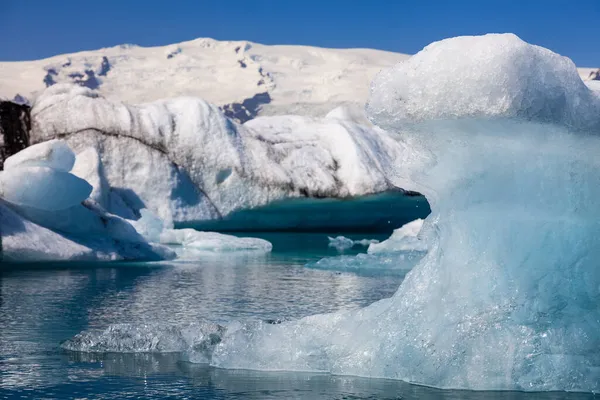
32	29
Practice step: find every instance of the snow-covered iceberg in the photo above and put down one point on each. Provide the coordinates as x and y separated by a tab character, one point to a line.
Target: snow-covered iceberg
189	164
505	142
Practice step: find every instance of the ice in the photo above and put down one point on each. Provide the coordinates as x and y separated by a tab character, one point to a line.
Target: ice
186	162
48	215
196	341
189	242
371	264
54	154
42	188
404	238
22	240
505	143
342	243
88	166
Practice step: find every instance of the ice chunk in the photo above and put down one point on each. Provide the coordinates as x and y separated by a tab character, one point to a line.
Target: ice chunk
403	239
156	230
55	154
514	80
196	340
371	264
43	188
342	243
213	241
505	143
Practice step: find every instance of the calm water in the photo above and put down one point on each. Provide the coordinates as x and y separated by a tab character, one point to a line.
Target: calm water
42	305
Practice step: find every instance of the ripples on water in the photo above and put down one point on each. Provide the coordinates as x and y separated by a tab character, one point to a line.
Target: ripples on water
42	305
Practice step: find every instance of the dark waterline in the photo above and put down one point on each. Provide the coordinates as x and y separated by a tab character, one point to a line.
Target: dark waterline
44	304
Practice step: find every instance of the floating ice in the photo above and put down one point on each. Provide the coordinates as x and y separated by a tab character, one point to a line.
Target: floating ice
55	154
157	231
342	243
505	139
403	239
371	264
42	188
196	341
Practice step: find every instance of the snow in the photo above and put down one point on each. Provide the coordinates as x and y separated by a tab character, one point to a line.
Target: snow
404	238
43	188
185	161
300	80
507	296
54	154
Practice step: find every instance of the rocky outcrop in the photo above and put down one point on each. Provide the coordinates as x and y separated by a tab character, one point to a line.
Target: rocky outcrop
15	125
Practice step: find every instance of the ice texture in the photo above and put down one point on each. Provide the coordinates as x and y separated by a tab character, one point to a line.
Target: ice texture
505	142
185	161
54	154
43	188
404	238
196	341
47	215
397	264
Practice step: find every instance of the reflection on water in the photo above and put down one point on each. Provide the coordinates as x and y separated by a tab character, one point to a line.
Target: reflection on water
42	305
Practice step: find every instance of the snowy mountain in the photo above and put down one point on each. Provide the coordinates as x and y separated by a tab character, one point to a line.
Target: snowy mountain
245	79
241	77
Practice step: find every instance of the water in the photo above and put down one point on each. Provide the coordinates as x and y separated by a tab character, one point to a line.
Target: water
44	304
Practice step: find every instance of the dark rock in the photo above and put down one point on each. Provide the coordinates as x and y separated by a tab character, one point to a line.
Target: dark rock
15	125
247	109
104	67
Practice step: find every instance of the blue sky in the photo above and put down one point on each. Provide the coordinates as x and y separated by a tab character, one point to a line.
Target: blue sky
37	29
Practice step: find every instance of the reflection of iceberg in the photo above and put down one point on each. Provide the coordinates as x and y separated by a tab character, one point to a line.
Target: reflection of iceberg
508	295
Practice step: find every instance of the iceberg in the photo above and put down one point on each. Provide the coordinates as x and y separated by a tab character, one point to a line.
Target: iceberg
186	162
47	215
195	341
189	242
404	238
504	138
341	243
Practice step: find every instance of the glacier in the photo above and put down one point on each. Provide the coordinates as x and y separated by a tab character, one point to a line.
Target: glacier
185	161
504	137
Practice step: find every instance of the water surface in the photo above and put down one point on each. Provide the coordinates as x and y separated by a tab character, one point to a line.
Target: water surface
44	304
